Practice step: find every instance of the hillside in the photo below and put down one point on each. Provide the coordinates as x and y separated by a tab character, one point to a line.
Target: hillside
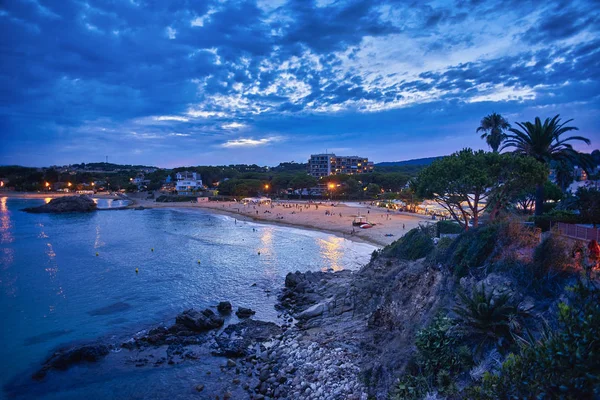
416	161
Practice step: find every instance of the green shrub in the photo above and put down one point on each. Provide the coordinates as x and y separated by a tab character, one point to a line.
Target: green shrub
410	387
473	248
545	221
448	227
563	364
439	347
551	254
417	243
440	254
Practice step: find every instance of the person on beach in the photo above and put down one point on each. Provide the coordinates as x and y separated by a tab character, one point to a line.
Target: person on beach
403	227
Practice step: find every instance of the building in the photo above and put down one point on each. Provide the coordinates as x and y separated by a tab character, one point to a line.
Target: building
188	182
330	164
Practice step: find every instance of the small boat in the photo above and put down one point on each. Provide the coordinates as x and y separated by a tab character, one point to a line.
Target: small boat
359	220
366	226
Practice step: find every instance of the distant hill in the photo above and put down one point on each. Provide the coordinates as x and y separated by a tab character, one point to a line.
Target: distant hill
416	161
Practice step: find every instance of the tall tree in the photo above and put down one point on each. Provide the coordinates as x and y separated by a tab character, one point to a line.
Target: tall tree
493	127
545	143
468	183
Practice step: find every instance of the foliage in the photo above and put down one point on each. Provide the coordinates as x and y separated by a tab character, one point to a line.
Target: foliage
440	254
563	364
448	227
493	127
410	387
473	248
440	357
417	243
588	203
544	143
545	221
467	183
439	346
551	254
487	317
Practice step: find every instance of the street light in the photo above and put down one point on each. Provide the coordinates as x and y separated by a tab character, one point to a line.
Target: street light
331	187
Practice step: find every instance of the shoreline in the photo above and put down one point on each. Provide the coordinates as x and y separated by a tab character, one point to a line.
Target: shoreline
321	217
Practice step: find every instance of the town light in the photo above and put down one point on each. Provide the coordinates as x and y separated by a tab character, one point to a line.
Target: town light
267	186
47	184
331	186
69	184
93	184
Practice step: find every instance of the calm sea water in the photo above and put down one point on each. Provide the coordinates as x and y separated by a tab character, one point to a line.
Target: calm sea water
66	278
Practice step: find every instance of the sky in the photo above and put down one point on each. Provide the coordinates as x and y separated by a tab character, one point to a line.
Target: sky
213	82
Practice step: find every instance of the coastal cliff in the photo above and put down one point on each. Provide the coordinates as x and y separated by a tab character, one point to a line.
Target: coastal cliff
452	318
65	204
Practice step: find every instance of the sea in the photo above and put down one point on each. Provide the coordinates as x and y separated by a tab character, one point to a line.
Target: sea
76	278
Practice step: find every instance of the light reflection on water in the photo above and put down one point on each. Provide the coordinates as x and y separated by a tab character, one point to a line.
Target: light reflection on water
52	281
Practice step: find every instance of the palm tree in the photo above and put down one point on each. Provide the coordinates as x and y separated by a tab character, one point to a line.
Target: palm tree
493	127
545	144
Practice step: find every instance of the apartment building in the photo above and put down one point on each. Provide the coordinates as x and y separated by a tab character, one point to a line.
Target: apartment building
330	164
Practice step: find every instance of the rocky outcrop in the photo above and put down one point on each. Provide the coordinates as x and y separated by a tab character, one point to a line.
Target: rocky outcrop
224	307
66	204
65	358
243	312
199	321
237	340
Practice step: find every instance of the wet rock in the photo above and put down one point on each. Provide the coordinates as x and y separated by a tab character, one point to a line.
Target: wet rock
236	339
199	388
244	312
65	358
64	205
224	307
199	321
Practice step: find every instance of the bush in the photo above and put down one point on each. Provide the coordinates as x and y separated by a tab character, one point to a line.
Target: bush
563	364
448	227
440	254
488	318
439	347
545	221
417	243
551	254
473	248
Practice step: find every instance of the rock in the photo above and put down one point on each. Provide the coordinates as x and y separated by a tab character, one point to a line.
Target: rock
236	339
244	312
65	358
199	388
64	205
199	321
311	312
224	307
231	363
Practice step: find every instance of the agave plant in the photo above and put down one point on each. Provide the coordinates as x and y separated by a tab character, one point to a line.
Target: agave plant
488	318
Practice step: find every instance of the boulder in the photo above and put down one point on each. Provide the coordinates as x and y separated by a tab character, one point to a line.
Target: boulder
244	312
199	321
224	307
65	358
65	205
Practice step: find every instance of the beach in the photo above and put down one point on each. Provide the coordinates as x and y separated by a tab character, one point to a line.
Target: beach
323	216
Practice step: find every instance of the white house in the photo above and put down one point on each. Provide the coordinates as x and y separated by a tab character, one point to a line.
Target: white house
188	182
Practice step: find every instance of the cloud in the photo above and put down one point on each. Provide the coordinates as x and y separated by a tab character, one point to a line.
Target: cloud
70	68
249	142
233	125
171	118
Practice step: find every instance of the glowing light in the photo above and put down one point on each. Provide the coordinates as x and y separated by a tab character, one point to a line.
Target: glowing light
47	184
331	186
69	184
267	187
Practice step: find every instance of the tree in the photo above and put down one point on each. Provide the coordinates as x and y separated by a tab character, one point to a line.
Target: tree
525	198
544	143
588	203
303	181
493	127
468	183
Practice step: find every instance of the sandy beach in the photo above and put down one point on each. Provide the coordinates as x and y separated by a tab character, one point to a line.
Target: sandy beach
323	217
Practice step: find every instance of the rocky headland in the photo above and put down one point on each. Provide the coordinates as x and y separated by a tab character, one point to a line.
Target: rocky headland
67	204
397	328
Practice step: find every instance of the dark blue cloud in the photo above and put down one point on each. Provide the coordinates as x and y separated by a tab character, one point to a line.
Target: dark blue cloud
179	78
